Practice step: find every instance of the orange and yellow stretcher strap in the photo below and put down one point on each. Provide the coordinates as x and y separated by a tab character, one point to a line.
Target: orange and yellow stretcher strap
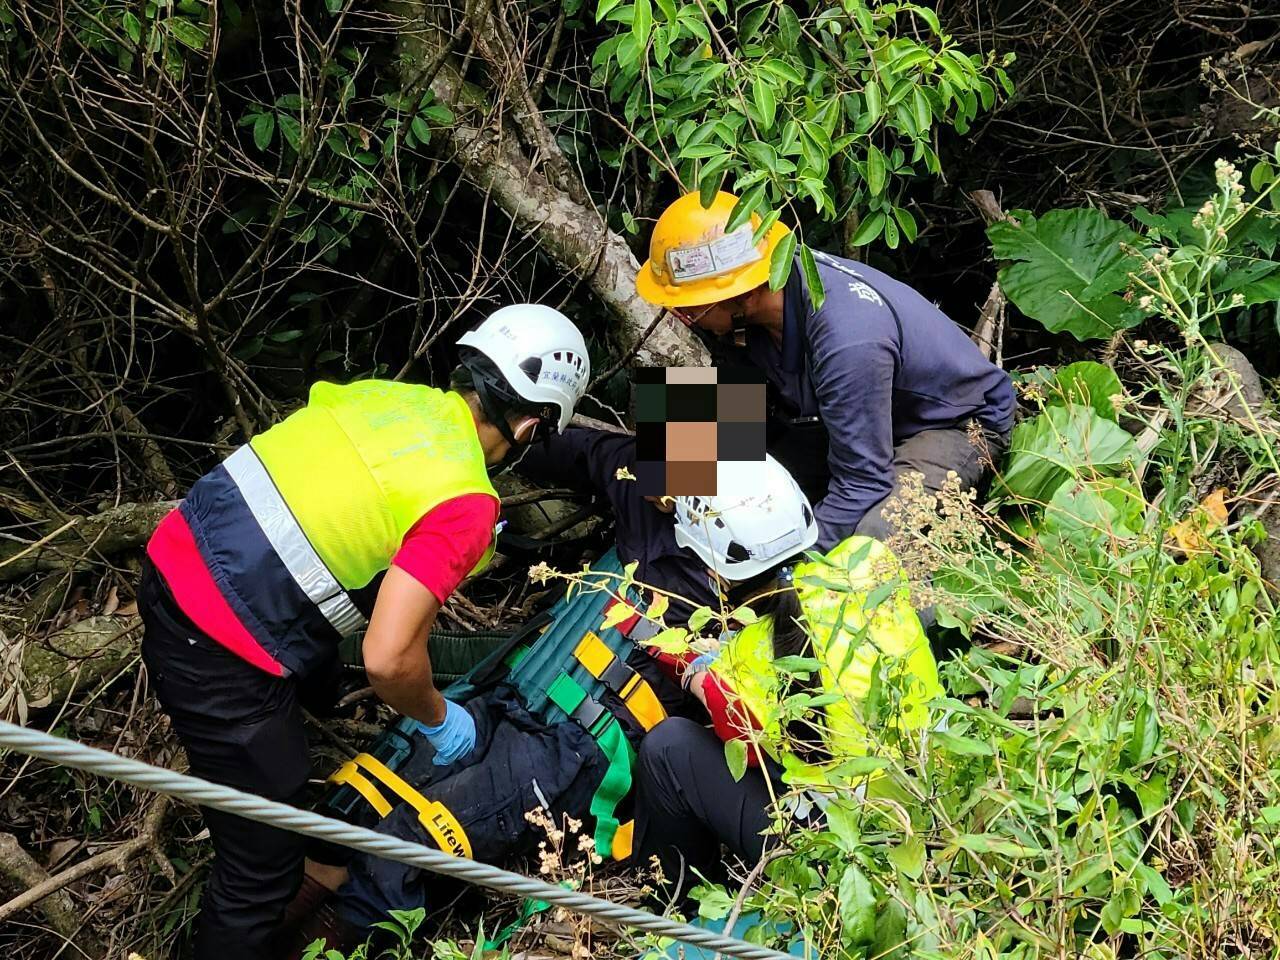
641	702
434	816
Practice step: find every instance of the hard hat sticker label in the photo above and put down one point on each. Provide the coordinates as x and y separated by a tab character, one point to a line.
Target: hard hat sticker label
713	257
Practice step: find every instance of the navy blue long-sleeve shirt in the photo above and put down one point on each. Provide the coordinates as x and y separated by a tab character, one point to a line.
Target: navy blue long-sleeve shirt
588	461
876	365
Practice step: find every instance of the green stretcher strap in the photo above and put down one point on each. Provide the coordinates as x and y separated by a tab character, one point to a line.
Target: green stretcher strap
567	694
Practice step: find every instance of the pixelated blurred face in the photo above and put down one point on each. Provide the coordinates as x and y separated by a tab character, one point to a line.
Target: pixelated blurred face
689	419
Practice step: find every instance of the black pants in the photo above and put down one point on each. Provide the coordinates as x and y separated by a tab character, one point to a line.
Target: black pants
243	728
688	805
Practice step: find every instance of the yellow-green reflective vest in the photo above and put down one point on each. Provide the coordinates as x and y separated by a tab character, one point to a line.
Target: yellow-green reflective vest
893	639
362	463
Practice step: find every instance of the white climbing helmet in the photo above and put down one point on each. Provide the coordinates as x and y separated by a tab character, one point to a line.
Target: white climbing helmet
538	351
758	518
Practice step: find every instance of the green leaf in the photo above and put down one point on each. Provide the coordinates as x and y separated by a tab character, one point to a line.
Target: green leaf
765	100
783	71
890	233
641	22
700	151
285	336
263	130
133	27
868	230
291	130
875	105
668	8
842	822
990	843
766	224
603	8
735	755
812	281
921	111
907	222
891	940
699	618
961	746
788	27
1059	443
1087	383
1083	515
187	33
673	640
857	900
859	767
875	170
1146	734
438	113
751	23
908	857
1068	268
420	129
780	262
708	187
713	902
745	206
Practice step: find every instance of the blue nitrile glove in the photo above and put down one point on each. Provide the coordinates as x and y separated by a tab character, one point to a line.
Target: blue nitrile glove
702	661
453	737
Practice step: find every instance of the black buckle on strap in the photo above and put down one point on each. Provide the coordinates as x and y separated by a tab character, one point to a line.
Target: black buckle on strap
588	712
616	675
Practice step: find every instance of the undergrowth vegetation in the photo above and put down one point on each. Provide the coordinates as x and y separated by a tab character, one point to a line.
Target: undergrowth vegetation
210	205
1106	781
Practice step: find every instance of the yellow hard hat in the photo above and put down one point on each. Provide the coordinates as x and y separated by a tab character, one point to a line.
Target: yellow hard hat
692	262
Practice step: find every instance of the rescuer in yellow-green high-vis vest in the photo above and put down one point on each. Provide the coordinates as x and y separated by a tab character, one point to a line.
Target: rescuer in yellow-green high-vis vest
849	611
275	555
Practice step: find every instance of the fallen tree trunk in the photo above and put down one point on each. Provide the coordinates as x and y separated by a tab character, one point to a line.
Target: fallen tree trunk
47	892
68	543
22	872
80	657
574	234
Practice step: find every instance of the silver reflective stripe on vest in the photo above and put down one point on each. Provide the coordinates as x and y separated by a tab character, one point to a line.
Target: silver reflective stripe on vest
290	543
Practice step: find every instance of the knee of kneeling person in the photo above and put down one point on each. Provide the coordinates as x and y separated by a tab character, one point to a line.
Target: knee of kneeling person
672	736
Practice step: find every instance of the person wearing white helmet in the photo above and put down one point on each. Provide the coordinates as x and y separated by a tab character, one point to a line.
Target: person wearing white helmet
755	537
362	511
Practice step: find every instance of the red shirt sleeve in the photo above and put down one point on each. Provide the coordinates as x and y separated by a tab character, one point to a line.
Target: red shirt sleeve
443	547
730	718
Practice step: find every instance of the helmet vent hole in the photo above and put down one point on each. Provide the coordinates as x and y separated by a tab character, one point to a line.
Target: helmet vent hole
808	514
737	552
532	366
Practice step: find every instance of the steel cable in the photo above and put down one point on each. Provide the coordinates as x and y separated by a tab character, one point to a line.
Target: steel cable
72	754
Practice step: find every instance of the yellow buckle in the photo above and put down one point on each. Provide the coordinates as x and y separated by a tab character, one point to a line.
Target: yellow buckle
641	701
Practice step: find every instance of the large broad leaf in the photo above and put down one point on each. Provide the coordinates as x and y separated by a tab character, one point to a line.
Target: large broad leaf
1068	270
1088	383
1062	442
1085	515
